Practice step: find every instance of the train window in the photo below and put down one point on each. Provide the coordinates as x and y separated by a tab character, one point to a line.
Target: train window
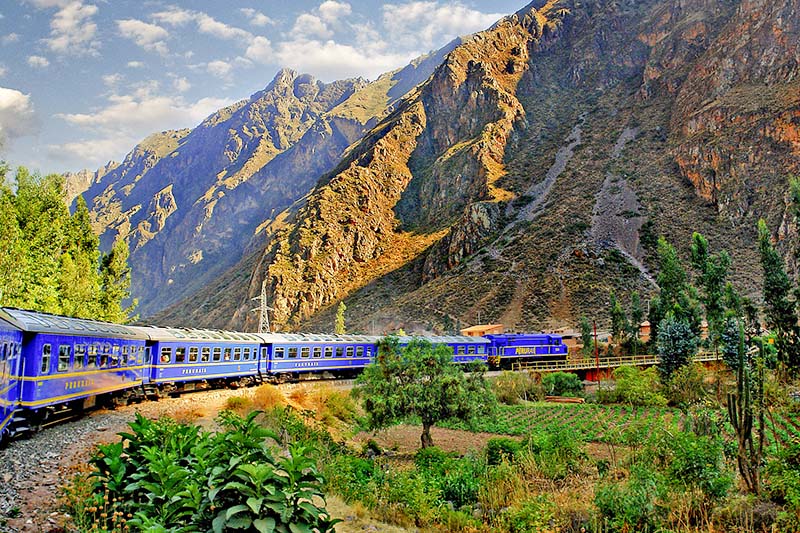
80	356
3	352
279	352
180	354
227	356
147	354
349	351
305	351
237	354
340	351
292	352
247	354
317	351
91	359
359	351
46	349
205	354
217	354
63	358
470	349
481	349
132	351
193	354
461	350
329	351
166	355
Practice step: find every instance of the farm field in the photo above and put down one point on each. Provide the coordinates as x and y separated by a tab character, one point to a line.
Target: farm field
608	423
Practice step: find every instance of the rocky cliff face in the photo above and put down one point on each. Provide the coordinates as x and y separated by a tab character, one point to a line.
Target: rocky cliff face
532	172
189	202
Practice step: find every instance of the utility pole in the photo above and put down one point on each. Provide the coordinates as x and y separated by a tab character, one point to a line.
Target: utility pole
263	309
596	354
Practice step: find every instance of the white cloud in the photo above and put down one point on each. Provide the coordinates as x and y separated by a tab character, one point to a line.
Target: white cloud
332	11
135	64
72	30
44	4
112	80
38	61
204	22
88	153
148	36
330	60
181	85
260	50
256	18
17	117
427	23
310	26
10	38
138	114
218	68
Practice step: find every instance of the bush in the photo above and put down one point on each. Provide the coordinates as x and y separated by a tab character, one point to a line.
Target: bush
511	387
687	386
631	505
462	479
634	387
562	384
501	449
532	516
554	453
353	478
267	397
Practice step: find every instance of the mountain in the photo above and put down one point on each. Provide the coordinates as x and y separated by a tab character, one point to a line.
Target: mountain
190	201
533	171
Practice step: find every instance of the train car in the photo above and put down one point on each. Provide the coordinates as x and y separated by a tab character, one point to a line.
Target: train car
188	359
465	349
10	360
291	355
70	363
512	347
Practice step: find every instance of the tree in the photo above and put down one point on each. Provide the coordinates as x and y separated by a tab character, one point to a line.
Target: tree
637	316
619	322
421	380
779	306
677	296
713	271
338	325
677	344
115	277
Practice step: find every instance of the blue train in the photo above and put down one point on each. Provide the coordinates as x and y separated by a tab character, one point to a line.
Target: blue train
53	366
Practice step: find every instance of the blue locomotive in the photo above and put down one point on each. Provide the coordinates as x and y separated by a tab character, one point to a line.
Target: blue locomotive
52	366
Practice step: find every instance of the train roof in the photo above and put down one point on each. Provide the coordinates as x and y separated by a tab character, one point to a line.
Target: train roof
445	339
35	322
156	333
303	338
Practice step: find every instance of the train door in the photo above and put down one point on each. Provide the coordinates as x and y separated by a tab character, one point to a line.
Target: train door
263	361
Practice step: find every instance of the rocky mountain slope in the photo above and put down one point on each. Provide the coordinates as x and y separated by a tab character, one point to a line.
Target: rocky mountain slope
533	171
188	202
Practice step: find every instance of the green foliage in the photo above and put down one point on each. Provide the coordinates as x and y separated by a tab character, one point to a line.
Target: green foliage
501	449
687	386
677	344
562	384
531	516
713	271
512	387
49	259
677	297
619	322
780	308
421	380
556	451
697	462
634	387
338	325
171	477
115	277
631	505
782	484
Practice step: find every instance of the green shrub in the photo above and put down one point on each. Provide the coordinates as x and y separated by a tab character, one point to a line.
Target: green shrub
431	458
512	387
501	449
353	478
697	461
687	386
341	406
635	387
555	452
631	505
562	384
532	516
461	481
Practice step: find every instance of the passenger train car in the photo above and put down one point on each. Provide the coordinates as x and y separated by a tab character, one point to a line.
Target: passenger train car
51	364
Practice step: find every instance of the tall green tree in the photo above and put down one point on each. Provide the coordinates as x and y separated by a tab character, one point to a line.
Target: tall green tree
713	270
637	316
586	336
338	325
420	380
676	295
780	308
677	344
619	322
115	275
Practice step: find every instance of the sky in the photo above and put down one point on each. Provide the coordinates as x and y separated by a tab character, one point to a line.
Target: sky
83	81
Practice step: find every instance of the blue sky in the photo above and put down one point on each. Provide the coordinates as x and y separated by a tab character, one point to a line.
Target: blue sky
82	81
